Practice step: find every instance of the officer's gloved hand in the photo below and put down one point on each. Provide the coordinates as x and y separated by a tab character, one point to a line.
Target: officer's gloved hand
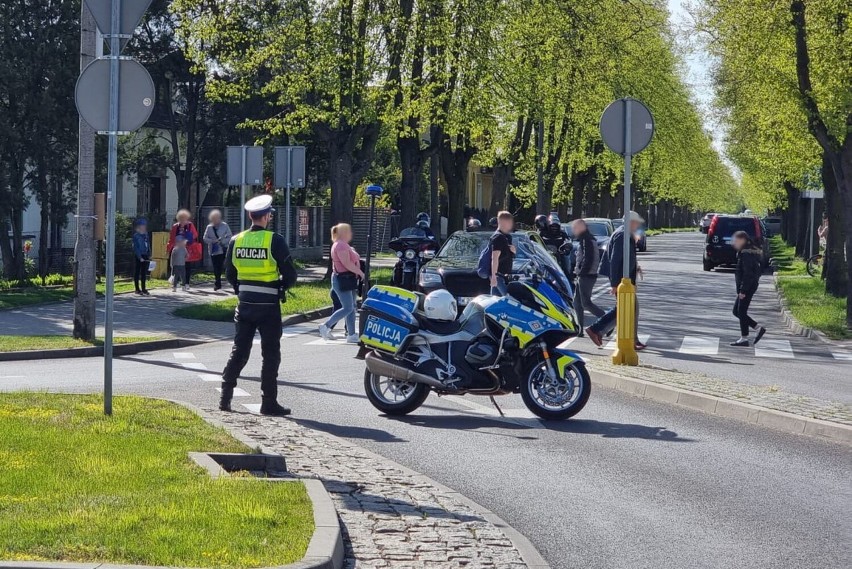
282	296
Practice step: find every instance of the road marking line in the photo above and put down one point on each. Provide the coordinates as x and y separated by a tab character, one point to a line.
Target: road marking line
194	365
511	415
256	341
210	377
321	342
613	344
842	356
774	349
183	355
252	407
700	345
11	376
237	392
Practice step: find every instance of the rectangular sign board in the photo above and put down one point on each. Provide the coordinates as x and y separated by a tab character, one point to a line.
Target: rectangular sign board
253	166
814	194
294	172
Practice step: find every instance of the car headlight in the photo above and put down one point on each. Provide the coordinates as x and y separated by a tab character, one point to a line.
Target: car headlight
399	254
428	278
410	254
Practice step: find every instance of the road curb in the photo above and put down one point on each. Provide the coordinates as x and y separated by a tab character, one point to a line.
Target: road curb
93	351
728	408
139	347
796	327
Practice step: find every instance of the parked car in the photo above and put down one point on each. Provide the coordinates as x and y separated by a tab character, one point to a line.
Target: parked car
454	265
617	222
718	250
641	240
600	227
773	226
705	222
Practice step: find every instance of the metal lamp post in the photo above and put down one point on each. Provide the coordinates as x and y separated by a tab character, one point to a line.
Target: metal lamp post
374	192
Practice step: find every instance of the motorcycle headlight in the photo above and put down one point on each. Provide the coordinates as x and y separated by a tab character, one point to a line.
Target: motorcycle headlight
428	278
399	254
410	254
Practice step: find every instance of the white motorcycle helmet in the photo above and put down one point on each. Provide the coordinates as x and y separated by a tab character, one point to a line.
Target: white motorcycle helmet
441	305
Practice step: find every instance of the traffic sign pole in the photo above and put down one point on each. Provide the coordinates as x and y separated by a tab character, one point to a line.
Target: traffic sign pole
287	197
243	191
112	175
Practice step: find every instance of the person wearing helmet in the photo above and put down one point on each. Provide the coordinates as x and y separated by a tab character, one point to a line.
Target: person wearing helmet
423	225
558	243
541	223
423	216
474	225
492	223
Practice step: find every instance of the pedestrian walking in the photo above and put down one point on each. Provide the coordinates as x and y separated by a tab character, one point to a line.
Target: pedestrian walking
502	253
217	236
346	265
259	267
586	268
621	243
184	227
747	277
177	260
141	256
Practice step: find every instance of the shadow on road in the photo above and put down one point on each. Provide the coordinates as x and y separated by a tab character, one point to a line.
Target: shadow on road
350	431
465	423
615	430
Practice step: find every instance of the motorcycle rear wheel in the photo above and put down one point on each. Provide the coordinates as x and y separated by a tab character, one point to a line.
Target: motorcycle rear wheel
392	396
556	400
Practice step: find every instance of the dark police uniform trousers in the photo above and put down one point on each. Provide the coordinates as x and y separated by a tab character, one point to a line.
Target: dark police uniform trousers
250	318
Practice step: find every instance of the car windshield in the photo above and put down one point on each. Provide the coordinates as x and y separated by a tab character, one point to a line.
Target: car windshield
468	245
598	228
616	223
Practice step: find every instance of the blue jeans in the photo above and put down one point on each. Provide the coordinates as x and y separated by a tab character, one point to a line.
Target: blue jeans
500	289
347	307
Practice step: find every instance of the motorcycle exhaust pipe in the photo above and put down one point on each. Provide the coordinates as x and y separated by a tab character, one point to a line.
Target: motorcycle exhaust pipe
379	366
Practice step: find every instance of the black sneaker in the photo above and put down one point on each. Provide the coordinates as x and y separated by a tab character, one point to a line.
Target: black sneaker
273	408
225	400
740	344
146	293
760	332
139	292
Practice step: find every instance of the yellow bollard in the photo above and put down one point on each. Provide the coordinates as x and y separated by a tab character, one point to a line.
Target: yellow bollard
625	353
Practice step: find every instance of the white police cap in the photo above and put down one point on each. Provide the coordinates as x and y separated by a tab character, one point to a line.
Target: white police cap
259	205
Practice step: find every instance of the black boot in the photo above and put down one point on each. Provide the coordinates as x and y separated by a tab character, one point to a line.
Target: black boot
225	400
270	406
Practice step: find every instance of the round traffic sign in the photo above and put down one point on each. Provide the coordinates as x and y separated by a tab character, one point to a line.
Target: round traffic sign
135	95
614	126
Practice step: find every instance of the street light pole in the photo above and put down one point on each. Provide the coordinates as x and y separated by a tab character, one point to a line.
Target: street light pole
373	191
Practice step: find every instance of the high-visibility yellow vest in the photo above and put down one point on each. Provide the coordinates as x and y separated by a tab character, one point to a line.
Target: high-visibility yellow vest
251	255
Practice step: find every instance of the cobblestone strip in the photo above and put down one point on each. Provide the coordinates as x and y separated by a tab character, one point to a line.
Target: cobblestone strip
390	517
769	396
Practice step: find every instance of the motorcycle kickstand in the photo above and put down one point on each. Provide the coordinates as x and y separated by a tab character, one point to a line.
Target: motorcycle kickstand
491	397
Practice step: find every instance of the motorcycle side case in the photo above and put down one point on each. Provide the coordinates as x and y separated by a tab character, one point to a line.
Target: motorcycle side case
387	317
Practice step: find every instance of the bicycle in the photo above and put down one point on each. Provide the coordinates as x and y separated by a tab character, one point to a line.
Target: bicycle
815	263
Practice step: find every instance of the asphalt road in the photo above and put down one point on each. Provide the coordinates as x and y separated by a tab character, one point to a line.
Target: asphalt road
678	300
627	484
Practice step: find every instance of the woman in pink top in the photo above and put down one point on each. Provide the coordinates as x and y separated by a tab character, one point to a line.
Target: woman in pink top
347	269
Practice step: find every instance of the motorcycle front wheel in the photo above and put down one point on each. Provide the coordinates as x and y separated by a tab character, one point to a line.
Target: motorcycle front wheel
393	396
556	399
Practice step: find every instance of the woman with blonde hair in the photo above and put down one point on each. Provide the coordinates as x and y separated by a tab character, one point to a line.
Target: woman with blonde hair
346	265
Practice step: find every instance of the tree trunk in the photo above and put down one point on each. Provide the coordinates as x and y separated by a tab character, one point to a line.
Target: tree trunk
499	187
845	234
84	250
411	162
578	184
350	153
434	189
455	162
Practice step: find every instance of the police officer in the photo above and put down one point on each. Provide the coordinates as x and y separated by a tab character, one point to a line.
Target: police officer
557	241
474	225
259	267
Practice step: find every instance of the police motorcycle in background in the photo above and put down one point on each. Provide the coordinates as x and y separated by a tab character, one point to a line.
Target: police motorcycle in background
413	248
498	346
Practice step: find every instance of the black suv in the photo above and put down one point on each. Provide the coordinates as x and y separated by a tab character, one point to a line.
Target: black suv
718	249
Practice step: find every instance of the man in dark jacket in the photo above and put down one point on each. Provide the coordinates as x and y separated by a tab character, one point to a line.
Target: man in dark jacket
558	243
586	269
620	242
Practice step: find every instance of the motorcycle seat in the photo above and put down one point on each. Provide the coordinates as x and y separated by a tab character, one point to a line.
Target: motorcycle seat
441	327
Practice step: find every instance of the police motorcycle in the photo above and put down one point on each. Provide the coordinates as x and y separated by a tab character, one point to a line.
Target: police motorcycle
517	343
414	247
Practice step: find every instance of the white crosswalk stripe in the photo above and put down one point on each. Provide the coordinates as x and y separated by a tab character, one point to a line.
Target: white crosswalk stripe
183	355
613	344
194	365
211	377
321	342
700	345
252	407
842	356
237	392
774	349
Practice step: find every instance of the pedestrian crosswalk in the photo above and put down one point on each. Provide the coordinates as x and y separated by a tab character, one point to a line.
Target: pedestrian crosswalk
699	345
769	348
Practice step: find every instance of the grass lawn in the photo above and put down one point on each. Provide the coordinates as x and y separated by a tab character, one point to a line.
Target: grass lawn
79	486
304	298
662	230
20	343
40	295
805	295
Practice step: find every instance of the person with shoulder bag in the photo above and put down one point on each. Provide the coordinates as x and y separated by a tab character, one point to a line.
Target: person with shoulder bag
344	282
217	236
